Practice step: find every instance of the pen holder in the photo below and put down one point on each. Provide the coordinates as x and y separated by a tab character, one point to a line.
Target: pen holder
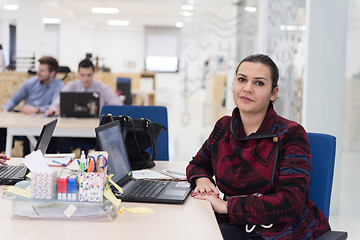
43	185
91	186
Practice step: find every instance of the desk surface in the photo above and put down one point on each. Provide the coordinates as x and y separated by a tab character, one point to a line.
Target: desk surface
19	124
16	119
192	220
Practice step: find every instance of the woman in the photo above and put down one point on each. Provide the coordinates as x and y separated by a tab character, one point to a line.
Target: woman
261	163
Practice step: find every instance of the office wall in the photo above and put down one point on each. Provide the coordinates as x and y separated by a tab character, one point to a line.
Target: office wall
115	47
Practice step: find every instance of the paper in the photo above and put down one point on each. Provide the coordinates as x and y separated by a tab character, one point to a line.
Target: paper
36	162
70	211
149	174
139	210
19	191
175	174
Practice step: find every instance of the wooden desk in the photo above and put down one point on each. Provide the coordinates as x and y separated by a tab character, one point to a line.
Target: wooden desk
19	124
192	220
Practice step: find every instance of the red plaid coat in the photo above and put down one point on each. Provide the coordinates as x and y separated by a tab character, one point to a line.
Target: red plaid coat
275	162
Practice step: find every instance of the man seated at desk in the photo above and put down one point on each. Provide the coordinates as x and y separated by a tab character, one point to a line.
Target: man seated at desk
86	83
38	91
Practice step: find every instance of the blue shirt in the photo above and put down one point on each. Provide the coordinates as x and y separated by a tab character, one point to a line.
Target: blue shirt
35	94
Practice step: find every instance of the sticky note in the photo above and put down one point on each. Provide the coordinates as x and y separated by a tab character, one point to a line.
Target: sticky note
139	210
19	191
110	195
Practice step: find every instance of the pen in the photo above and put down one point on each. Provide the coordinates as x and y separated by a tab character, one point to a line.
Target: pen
62	164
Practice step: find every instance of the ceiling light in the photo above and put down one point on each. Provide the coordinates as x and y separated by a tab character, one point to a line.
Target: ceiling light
105	10
179	24
187	7
51	20
118	22
187	14
11	7
250	9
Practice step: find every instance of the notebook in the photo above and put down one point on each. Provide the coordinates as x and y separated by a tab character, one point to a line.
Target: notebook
12	174
79	104
110	139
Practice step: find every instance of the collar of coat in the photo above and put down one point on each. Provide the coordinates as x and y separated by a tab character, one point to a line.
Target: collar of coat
265	128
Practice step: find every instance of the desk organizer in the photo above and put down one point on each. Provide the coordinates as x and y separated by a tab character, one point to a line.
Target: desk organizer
61	210
91	186
30	208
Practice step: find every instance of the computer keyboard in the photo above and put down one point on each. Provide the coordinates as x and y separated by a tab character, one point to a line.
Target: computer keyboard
148	189
7	172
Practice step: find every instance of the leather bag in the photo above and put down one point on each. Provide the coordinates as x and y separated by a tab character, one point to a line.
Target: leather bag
140	137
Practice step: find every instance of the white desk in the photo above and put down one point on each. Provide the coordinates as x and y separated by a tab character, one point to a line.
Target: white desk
192	220
19	124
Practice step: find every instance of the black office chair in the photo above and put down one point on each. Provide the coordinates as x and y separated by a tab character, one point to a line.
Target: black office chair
323	147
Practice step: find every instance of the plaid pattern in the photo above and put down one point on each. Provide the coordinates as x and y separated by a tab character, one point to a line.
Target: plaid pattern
275	162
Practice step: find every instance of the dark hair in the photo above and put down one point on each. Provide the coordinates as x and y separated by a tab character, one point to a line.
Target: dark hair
51	62
86	64
266	60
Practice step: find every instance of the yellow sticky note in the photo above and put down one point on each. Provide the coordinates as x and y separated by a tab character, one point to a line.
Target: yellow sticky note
139	210
28	175
19	191
110	195
114	184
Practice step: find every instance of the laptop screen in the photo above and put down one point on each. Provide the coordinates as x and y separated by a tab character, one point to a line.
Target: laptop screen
45	136
79	104
111	141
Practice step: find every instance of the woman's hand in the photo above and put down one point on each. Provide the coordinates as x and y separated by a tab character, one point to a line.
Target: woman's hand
3	159
217	203
204	186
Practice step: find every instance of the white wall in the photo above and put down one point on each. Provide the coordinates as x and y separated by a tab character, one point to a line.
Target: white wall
325	75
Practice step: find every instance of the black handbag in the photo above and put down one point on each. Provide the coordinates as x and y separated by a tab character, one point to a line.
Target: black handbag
139	135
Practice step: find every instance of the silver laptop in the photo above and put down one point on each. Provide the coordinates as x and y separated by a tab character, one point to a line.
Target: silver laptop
12	174
135	190
79	104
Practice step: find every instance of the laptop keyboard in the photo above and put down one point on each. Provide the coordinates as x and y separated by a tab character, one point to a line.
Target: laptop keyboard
7	172
148	189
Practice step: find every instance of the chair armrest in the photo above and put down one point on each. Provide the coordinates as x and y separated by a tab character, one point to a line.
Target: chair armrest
330	235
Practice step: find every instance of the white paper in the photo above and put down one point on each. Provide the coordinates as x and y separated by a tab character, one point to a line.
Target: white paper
36	162
149	174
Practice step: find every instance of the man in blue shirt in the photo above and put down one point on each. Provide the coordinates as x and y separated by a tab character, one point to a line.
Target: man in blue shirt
38	91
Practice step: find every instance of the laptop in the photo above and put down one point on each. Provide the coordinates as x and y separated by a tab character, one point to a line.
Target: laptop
110	139
79	104
12	174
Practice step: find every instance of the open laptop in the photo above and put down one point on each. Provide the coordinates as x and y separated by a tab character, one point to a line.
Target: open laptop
110	139
79	104
12	174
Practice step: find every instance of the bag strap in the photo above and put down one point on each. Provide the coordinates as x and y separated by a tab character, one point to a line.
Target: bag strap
149	127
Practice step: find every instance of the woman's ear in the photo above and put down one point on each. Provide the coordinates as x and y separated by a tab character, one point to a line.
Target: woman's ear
274	93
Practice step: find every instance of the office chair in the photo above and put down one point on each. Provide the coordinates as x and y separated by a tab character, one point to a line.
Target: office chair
323	147
157	114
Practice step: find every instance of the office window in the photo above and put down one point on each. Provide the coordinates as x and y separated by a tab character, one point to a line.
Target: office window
161	49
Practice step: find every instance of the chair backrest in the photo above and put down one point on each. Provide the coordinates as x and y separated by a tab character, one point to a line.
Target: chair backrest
157	114
322	147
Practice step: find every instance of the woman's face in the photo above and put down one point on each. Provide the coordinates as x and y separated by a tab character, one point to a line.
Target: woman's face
252	90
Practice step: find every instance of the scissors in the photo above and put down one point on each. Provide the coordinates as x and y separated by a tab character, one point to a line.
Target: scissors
101	163
91	164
